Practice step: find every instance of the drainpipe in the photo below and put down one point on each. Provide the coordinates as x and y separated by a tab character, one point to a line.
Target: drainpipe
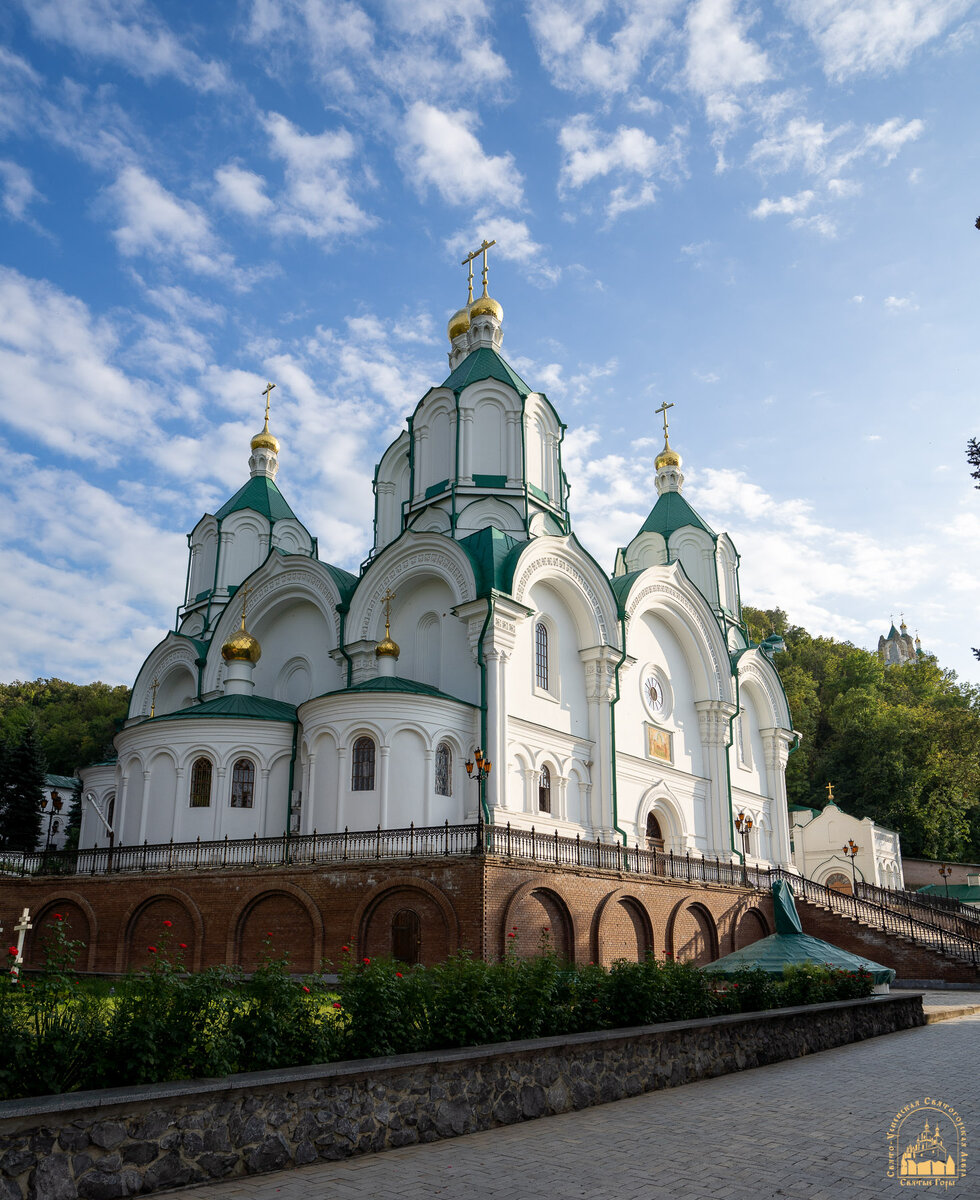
289	791
482	662
344	609
728	760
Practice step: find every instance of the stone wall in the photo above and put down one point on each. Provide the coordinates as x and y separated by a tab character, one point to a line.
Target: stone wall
124	1141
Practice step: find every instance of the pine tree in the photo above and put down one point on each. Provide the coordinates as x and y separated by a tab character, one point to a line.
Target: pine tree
23	792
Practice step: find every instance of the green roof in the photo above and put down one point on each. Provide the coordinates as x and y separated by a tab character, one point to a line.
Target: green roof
621	585
494	555
262	496
957	891
672	512
255	708
68	782
804	808
892	633
485	364
395	683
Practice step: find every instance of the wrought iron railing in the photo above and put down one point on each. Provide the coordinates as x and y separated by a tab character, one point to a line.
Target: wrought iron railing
954	934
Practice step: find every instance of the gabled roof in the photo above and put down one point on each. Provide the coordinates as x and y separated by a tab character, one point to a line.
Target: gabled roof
262	496
256	708
485	364
396	683
621	585
670	513
493	554
68	782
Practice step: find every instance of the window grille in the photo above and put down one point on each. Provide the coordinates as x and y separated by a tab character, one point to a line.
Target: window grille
201	783
541	655
362	771
243	784
444	770
544	791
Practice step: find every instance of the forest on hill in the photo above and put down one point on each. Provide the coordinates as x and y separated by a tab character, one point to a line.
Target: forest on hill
900	744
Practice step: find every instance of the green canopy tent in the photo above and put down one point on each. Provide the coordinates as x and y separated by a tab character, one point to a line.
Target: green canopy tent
789	946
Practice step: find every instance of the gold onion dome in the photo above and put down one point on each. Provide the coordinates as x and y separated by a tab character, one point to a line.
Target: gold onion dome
387	647
264	440
485	305
241	647
667	457
459	322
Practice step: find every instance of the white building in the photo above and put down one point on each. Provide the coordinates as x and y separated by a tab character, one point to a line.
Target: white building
624	706
819	838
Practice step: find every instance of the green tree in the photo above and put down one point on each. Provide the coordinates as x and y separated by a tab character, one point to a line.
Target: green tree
76	722
23	792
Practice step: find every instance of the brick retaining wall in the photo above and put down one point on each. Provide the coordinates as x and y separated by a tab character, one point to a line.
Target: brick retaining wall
124	1141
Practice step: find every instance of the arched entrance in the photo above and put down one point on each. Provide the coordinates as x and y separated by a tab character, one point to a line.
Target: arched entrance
654	834
406	936
838	882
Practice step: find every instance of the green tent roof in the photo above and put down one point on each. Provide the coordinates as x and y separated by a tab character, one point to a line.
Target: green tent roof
485	364
494	555
256	708
790	946
672	512
262	496
68	782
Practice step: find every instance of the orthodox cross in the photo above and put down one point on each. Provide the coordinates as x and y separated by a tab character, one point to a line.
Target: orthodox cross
830	794
20	929
268	389
662	411
386	600
153	702
245	588
484	247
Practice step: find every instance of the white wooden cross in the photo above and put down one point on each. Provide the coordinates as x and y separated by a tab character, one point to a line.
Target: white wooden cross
20	930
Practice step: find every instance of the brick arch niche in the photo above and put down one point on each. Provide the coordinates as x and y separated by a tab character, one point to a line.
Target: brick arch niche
751	926
407	923
539	919
77	925
280	923
693	936
622	931
146	928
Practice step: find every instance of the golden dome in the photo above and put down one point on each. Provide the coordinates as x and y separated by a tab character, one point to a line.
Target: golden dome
241	647
486	305
667	457
459	322
387	648
265	440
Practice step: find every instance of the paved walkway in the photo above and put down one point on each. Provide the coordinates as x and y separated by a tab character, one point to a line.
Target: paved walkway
810	1129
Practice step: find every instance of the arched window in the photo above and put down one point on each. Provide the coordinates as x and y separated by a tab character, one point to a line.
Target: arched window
406	936
444	770
110	808
362	768
243	783
838	882
544	791
541	655
655	837
201	783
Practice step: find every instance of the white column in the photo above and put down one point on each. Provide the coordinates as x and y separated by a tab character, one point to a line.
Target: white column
466	449
263	817
600	688
514	473
713	721
775	744
181	801
561	808
421	462
530	792
429	787
144	807
343	783
307	812
496	749
220	803
384	753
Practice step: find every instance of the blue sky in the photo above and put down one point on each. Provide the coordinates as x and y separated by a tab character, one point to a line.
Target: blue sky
761	213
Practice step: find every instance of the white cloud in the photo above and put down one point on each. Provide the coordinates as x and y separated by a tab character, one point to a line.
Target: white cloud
316	201
60	378
890	136
589	153
128	32
706	376
441	150
243	191
515	243
857	299
721	60
568	36
901	304
858	37
784	206
19	192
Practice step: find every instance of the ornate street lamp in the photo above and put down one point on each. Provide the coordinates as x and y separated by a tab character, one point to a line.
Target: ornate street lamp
946	871
851	850
480	775
56	806
744	826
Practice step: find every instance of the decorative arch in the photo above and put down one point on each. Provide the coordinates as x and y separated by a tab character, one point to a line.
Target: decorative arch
621	928
130	927
692	935
69	904
749	926
660	802
175	656
758	676
531	911
238	945
583	587
372	919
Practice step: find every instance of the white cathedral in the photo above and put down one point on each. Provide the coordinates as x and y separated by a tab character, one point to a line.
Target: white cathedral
295	695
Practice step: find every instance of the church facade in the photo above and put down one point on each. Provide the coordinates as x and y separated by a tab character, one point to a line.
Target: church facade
624	706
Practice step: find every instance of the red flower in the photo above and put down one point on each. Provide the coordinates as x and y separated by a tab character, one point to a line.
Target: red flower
268	933
513	926
336	1004
152	949
365	961
512	935
545	929
167	924
58	917
305	988
668	954
398	975
346	949
12	950
183	945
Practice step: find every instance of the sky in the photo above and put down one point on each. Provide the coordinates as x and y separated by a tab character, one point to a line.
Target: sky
762	214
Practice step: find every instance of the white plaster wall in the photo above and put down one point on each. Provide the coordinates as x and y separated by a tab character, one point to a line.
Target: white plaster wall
203	550
293	630
564	708
178	689
489	451
290	537
695	550
161	795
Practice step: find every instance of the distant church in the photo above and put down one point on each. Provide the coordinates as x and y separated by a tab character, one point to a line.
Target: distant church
898	647
294	695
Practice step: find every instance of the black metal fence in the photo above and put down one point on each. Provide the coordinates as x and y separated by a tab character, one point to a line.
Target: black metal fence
952	933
